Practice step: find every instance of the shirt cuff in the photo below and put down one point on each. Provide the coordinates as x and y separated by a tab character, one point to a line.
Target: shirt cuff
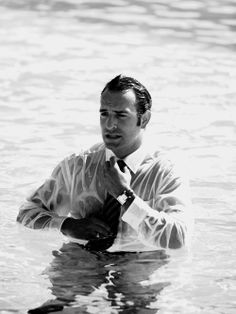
136	213
57	222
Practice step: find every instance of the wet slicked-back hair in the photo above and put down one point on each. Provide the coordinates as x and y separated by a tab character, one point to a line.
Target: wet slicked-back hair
123	83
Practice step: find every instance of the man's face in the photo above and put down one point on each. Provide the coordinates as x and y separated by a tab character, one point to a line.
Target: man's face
118	120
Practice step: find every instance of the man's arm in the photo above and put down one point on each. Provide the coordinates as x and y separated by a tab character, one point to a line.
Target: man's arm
48	207
166	220
170	227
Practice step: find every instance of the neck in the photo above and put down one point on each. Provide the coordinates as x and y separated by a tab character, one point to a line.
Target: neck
122	155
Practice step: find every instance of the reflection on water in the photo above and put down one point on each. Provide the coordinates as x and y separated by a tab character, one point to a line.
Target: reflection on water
55	58
116	278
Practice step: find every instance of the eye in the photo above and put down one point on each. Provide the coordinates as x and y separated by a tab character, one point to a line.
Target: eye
103	114
122	115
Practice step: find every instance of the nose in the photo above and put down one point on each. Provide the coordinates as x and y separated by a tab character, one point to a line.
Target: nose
111	123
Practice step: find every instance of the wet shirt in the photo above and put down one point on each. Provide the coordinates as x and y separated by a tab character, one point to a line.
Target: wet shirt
159	217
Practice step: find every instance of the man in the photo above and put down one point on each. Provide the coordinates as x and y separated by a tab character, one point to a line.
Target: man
153	210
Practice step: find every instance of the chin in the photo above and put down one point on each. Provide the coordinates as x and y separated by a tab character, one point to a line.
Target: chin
112	147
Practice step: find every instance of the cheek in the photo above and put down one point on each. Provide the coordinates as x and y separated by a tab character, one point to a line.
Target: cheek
102	125
130	133
128	125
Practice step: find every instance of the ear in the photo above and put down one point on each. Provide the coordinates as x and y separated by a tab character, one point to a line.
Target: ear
145	119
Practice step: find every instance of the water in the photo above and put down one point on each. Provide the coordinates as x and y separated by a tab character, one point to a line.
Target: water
55	57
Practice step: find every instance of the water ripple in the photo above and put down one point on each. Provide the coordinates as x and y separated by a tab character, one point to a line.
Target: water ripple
55	58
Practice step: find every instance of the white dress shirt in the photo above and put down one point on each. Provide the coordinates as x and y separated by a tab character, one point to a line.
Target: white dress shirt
159	217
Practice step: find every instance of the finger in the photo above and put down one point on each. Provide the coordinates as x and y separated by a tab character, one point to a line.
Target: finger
101	227
97	233
100	233
116	166
127	173
112	161
127	170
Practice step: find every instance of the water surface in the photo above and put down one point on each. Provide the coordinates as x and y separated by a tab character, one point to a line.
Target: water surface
55	58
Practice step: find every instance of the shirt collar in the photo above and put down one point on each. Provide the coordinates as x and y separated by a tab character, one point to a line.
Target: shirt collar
133	160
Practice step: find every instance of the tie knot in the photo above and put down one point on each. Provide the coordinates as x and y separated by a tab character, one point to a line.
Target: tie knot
121	164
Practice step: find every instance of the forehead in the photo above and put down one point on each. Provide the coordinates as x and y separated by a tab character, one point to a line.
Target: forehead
125	100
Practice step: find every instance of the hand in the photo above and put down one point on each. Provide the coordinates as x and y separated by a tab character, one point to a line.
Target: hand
115	180
85	228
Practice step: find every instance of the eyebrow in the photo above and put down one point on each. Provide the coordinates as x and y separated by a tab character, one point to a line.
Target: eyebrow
116	111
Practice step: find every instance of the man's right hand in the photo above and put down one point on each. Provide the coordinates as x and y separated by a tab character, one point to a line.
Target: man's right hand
85	228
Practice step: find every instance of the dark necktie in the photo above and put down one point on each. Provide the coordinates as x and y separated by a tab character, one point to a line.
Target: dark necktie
110	214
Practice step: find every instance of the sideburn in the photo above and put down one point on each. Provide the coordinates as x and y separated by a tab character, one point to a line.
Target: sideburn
139	115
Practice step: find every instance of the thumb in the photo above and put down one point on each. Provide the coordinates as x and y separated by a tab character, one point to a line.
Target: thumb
127	172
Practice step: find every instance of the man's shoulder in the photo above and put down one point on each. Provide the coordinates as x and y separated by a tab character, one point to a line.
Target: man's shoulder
167	159
77	160
96	150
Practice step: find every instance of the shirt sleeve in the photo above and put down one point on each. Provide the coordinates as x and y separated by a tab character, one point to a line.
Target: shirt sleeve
166	221
49	205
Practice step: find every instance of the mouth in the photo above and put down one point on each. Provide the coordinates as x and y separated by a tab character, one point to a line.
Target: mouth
112	137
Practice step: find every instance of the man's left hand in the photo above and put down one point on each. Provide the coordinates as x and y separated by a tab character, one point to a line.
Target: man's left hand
115	180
